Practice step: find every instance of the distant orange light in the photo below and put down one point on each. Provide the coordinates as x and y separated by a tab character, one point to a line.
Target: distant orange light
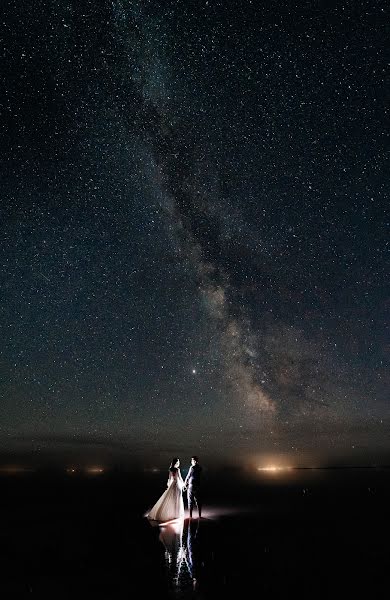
11	469
273	468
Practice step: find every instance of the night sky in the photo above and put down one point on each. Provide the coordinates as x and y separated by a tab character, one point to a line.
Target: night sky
193	249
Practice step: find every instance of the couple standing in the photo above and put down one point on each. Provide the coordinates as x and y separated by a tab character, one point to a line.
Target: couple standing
170	505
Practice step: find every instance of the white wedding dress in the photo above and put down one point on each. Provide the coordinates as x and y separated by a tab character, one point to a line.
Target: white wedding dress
170	505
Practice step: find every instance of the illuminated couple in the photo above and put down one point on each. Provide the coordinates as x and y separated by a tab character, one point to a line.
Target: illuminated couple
170	505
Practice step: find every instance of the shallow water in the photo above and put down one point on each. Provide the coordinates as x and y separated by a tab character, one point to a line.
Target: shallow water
310	534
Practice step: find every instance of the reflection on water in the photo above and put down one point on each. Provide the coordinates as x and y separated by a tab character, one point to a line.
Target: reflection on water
182	544
271	527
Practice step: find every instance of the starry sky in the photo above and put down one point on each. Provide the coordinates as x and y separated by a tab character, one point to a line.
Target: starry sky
193	250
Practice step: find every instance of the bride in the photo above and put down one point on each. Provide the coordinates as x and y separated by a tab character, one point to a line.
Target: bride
170	505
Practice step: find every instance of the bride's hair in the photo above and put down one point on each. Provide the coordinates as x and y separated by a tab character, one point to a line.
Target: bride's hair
172	465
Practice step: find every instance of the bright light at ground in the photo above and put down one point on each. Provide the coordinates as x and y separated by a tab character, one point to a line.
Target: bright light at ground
273	468
90	470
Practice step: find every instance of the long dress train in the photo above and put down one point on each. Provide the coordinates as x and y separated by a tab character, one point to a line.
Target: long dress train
170	505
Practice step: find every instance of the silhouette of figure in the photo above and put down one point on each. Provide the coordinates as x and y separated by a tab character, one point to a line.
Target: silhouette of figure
170	505
193	487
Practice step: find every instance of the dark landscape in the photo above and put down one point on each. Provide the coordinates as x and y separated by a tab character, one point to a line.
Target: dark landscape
304	534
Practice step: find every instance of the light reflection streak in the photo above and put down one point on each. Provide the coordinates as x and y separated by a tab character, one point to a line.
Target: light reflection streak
182	559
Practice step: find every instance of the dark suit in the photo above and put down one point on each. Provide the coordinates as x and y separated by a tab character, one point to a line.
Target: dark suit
192	483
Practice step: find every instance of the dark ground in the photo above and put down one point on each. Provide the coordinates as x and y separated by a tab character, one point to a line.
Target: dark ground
307	534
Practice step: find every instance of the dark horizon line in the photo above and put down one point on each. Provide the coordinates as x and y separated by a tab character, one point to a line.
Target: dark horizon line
342	467
84	467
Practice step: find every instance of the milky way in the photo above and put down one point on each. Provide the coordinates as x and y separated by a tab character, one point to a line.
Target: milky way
194	226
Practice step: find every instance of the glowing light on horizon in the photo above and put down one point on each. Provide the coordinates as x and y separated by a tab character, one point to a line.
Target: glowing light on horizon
95	470
273	468
90	470
13	469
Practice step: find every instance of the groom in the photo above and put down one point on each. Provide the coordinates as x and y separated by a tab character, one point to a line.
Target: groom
192	485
